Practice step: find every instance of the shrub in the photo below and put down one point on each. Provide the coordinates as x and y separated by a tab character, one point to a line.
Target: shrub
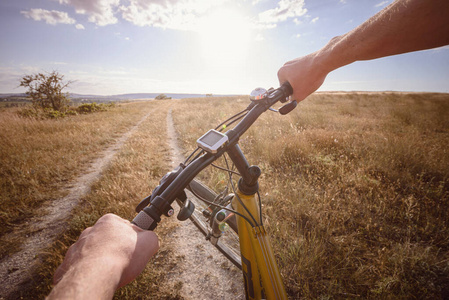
162	97
90	108
53	114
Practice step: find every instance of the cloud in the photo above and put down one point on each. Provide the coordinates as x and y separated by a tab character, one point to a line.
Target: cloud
172	14
286	9
314	20
100	12
381	4
167	14
297	21
50	17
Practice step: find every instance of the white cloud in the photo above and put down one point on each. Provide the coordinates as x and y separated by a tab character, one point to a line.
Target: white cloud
100	12
381	4
50	17
343	1
285	9
173	14
314	20
79	26
297	21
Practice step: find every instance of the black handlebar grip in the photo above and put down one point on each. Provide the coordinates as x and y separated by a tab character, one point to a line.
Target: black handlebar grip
146	219
287	88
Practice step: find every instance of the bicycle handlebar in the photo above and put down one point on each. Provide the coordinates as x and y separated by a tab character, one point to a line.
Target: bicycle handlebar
160	204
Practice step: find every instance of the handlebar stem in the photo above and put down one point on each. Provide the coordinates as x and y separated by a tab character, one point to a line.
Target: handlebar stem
250	174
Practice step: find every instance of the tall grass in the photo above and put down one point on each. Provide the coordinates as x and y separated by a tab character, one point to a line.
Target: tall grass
356	192
38	157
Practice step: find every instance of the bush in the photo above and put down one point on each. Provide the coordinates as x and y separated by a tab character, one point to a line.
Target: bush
162	97
50	113
53	114
47	113
71	112
28	112
89	108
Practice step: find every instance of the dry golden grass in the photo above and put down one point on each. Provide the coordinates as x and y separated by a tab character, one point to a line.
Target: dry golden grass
355	190
38	157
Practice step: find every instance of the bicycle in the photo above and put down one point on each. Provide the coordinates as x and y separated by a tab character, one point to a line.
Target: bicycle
232	219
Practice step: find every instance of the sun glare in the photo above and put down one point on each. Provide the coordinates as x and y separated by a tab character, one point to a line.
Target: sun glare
225	38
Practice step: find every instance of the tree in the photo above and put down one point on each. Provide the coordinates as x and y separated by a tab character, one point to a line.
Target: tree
162	97
46	90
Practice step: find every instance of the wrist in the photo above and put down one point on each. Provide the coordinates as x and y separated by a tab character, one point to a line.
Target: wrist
90	278
335	54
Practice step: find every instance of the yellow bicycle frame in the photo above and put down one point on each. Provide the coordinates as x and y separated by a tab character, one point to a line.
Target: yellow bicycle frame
258	261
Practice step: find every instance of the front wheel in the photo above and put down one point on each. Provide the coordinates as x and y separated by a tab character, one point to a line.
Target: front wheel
223	235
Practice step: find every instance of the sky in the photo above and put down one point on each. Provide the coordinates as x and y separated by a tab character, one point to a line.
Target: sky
109	47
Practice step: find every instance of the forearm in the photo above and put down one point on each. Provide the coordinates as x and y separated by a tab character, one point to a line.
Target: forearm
404	26
90	279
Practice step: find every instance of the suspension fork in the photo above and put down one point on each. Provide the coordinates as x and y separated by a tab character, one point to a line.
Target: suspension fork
258	261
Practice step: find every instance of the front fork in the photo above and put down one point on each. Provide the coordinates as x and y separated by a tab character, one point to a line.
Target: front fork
258	261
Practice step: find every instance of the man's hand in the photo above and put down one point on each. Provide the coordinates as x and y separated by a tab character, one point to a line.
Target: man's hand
106	256
305	75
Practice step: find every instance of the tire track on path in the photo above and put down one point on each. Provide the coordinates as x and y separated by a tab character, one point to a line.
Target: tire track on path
18	268
202	270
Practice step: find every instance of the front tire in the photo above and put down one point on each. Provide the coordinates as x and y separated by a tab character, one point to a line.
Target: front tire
228	243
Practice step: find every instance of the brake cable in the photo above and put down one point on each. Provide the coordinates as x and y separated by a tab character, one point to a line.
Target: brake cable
238	116
222	207
238	198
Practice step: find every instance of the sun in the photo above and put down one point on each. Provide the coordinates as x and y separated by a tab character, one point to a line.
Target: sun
224	37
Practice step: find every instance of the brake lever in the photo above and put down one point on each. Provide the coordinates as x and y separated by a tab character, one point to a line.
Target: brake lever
288	107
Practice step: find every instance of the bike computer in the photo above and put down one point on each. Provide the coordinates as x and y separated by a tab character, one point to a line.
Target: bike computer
212	141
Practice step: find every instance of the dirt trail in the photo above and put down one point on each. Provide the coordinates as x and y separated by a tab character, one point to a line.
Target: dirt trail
202	270
18	268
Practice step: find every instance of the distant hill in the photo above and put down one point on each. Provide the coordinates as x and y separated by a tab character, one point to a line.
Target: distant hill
135	96
81	97
16	95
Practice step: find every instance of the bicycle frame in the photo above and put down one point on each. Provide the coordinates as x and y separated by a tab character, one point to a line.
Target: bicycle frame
258	261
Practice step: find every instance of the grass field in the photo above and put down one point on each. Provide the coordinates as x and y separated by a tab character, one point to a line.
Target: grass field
356	191
355	187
